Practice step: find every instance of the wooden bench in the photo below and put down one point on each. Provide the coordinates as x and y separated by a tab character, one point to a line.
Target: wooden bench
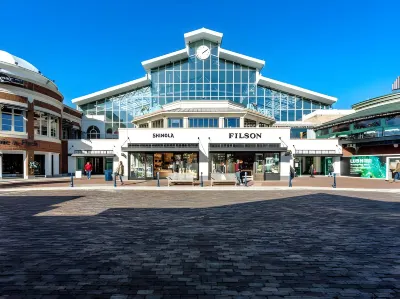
223	178
176	178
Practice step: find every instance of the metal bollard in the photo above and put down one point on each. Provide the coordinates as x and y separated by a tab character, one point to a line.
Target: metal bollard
334	180
158	179
201	180
72	180
115	180
245	178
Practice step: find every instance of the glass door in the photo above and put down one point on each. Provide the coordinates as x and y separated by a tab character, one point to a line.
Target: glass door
258	167
137	166
149	166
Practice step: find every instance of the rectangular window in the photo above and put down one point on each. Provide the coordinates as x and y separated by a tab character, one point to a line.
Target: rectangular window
6	119
341	128
53	126
232	122
18	120
175	123
367	123
203	122
393	121
36	123
43	124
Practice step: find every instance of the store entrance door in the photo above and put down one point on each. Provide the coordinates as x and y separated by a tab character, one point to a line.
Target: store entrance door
13	165
97	164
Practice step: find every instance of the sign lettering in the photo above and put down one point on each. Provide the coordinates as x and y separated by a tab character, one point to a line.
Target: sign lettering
163	135
245	135
4	78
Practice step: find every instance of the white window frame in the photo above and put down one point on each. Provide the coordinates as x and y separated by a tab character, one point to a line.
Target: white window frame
12	120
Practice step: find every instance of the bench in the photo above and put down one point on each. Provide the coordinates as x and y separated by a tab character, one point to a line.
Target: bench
223	178
176	178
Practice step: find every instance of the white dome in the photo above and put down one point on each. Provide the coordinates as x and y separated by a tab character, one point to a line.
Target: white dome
11	59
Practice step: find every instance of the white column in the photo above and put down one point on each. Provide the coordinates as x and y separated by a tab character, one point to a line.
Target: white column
242	122
149	122
47	163
186	122
165	122
56	159
1	166
257	124
25	158
221	122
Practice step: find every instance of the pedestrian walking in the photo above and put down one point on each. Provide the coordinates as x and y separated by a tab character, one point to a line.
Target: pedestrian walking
397	172
292	174
331	170
312	170
120	172
88	169
237	171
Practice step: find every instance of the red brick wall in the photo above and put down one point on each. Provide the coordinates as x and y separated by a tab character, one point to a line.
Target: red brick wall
47	106
13	97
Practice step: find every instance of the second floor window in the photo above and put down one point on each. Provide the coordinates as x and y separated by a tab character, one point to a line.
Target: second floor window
203	122
175	123
93	132
45	124
12	120
232	122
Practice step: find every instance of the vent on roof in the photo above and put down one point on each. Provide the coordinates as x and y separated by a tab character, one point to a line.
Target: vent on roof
396	84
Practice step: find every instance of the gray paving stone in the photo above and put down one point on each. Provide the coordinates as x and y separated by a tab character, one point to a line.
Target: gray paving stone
187	244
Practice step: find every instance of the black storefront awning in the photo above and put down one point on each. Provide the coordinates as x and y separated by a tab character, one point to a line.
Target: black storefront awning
247	147
316	153
161	147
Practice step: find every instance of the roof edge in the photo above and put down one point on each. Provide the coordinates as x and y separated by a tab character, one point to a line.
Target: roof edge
141	82
299	91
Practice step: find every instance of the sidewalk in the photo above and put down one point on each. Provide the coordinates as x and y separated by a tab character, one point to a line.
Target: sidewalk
301	182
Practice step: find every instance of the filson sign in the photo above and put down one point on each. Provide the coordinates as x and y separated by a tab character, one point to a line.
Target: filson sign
245	135
163	135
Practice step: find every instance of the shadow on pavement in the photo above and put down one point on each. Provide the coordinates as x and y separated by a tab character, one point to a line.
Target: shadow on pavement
320	245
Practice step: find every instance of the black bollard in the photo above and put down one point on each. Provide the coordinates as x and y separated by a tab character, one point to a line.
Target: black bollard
115	180
334	180
72	180
158	179
201	179
245	178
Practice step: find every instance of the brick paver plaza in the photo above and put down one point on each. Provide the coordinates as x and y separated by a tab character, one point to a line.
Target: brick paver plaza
202	244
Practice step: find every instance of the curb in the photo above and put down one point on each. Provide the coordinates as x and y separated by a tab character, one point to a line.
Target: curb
244	189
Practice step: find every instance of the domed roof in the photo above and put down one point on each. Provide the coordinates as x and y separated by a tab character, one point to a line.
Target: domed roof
11	59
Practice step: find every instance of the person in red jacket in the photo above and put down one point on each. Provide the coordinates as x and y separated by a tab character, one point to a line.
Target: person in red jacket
88	169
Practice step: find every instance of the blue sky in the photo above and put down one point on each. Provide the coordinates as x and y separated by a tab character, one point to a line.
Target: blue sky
346	49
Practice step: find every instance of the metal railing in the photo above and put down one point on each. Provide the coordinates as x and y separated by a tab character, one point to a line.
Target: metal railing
94	152
315	152
92	136
163	145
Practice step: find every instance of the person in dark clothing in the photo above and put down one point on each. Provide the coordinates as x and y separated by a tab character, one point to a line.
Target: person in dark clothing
331	170
312	169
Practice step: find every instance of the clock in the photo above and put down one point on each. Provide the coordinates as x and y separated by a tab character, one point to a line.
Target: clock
203	52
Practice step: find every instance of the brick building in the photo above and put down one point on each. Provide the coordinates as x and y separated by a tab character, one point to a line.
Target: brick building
33	121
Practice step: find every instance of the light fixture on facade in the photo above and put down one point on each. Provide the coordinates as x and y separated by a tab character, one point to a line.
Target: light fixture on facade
395	145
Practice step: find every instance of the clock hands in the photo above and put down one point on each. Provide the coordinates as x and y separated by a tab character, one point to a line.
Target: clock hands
205	51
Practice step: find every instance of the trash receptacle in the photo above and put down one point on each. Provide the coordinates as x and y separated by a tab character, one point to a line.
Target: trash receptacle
108	175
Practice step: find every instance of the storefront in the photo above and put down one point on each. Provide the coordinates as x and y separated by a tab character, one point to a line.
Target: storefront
100	160
12	165
262	161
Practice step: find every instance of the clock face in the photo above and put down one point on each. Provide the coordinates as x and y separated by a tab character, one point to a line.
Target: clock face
203	52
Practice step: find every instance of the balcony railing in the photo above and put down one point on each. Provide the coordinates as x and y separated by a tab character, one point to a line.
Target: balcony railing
95	136
315	152
94	152
378	133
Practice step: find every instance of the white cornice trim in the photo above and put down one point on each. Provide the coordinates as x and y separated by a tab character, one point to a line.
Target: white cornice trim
141	82
37	108
165	59
242	59
203	33
22	105
32	95
71	118
12	134
292	89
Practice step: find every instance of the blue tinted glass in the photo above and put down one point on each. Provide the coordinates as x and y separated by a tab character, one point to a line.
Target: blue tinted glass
214	77
291	115
306	104
283	115
229	76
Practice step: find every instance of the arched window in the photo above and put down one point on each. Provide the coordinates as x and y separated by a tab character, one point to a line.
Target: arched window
93	132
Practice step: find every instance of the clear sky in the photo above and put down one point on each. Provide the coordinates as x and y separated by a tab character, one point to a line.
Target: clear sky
347	49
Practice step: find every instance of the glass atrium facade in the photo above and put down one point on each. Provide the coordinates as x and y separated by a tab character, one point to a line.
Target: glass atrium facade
196	79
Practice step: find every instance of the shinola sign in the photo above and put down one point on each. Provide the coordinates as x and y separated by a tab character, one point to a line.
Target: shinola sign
163	135
245	135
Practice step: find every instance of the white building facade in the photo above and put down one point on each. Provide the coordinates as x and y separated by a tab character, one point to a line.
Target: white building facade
198	110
